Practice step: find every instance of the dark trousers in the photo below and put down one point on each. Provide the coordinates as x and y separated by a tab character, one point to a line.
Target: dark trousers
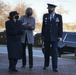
54	54
12	64
30	53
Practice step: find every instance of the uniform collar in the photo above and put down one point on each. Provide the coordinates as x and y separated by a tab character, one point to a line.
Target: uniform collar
53	14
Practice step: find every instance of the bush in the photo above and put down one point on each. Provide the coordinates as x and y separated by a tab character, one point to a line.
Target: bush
3	37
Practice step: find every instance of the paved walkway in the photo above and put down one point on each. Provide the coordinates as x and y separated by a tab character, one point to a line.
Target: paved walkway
65	67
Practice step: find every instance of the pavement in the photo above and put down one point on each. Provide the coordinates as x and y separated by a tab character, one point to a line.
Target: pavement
65	66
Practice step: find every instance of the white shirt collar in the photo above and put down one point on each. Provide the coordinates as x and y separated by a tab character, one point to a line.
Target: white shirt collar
53	15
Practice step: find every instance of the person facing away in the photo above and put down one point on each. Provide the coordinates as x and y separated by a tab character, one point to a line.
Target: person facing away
14	31
51	33
28	21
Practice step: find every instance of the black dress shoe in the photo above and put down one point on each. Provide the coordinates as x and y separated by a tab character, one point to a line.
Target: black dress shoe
23	66
10	71
45	67
15	70
30	66
55	70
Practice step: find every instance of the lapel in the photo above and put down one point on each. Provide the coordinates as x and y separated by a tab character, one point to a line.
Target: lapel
54	18
48	17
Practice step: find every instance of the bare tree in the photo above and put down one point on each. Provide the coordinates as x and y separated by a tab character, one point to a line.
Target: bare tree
61	10
4	9
20	7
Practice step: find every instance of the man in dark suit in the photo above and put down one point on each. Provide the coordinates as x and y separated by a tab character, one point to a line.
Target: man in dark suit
51	33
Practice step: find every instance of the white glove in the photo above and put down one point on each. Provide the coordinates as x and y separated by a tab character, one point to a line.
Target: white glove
60	39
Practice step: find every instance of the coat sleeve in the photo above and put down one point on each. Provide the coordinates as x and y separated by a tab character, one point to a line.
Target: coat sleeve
20	28
60	28
32	27
9	29
43	26
22	19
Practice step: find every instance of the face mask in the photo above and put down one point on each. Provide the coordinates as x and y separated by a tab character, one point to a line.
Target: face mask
29	14
50	11
17	17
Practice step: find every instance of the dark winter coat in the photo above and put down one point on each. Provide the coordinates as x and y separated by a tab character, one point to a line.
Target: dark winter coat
14	31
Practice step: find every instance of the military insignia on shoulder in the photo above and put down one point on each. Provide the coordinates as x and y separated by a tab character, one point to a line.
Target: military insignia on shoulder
57	19
45	19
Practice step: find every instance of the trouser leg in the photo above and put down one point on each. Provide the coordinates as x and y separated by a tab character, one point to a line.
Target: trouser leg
30	54
54	55
46	54
10	64
23	54
15	62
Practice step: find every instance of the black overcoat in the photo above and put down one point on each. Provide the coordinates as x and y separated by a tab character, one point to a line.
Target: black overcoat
13	38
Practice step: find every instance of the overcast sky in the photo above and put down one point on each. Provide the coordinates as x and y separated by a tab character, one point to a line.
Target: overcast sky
40	7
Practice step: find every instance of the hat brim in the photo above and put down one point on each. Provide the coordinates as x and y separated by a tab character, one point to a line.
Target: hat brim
51	6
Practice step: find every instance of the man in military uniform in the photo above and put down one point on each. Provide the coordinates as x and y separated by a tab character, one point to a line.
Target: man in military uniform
51	33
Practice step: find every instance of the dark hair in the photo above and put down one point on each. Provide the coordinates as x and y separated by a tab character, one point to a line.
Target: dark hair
29	10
